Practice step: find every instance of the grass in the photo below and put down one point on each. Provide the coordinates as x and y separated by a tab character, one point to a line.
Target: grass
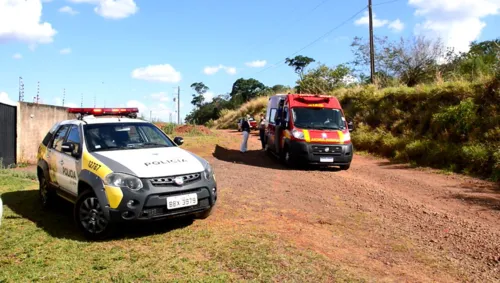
45	246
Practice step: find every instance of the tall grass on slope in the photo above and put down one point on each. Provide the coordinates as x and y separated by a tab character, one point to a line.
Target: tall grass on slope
453	126
254	108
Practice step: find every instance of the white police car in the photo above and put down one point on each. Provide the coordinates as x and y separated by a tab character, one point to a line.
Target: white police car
119	169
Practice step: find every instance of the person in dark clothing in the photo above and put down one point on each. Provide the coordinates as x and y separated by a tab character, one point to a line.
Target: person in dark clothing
262	130
245	128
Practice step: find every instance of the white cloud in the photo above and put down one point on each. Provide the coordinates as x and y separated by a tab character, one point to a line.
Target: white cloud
4	98
157	111
457	23
161	96
376	22
112	9
68	10
209	96
17	56
143	109
47	1
20	22
397	25
158	73
256	63
65	51
211	70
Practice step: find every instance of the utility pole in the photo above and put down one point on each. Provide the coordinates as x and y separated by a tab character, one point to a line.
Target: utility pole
21	89
372	59
179	105
81	103
64	96
150	115
37	97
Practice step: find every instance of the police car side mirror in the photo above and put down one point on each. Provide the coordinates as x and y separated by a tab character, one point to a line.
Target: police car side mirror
178	140
350	126
68	147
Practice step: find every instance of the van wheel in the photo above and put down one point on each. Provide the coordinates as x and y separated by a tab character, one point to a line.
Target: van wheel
89	217
345	167
288	158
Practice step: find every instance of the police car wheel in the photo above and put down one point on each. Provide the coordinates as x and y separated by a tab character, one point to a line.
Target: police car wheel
90	218
47	196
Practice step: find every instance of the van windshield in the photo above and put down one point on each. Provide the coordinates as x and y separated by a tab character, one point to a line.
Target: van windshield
318	118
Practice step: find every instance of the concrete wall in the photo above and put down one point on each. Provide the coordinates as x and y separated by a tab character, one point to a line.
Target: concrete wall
33	123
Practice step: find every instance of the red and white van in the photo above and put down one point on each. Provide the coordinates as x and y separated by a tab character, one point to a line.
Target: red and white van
308	129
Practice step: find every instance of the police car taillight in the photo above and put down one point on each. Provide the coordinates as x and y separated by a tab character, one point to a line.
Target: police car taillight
103	111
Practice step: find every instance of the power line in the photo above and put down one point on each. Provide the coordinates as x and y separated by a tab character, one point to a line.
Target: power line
293	23
386	2
316	40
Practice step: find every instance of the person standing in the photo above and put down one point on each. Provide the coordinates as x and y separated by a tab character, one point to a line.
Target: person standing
245	128
262	131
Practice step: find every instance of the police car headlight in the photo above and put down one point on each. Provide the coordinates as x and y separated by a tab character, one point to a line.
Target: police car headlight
208	172
298	134
124	180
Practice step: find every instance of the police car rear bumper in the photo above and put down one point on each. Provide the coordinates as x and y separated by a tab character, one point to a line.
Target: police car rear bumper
322	154
151	202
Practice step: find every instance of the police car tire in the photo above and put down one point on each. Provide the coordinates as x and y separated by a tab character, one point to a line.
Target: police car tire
88	194
50	197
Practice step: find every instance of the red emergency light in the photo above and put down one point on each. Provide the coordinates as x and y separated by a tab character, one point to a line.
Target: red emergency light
103	111
313	98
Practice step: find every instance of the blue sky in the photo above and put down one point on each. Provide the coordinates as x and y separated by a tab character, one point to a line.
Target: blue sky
136	53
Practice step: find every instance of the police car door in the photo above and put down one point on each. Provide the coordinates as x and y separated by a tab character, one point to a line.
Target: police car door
55	169
69	159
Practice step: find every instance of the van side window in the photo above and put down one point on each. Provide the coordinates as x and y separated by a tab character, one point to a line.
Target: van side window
272	115
285	114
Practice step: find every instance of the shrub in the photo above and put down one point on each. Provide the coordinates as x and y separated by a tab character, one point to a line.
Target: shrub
168	128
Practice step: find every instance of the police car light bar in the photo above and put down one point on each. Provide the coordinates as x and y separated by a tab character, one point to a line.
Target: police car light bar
103	111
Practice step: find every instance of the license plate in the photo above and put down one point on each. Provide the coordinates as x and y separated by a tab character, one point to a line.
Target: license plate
182	201
326	159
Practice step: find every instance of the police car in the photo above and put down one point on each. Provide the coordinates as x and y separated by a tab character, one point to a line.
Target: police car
119	169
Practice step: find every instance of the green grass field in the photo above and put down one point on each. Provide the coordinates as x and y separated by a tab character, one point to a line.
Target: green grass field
46	246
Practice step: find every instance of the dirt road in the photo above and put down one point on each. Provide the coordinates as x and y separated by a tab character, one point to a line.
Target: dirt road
380	221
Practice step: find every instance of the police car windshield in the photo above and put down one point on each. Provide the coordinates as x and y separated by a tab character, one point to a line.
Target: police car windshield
121	136
318	118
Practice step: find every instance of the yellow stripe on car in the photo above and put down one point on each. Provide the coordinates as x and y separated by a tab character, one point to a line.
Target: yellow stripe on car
306	135
341	137
92	164
95	166
114	195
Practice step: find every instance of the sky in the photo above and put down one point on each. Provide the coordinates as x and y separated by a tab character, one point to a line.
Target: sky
137	53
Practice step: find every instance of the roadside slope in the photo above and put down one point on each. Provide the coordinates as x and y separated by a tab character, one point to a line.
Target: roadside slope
387	222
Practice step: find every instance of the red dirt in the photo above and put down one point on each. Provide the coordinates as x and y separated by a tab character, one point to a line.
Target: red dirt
381	221
190	128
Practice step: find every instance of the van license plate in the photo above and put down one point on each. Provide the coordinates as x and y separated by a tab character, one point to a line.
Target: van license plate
326	159
182	201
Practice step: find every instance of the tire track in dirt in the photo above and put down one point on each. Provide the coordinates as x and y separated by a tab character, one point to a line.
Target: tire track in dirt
385	222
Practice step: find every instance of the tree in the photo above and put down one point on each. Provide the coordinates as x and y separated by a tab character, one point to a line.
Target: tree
299	63
198	98
246	89
323	79
412	61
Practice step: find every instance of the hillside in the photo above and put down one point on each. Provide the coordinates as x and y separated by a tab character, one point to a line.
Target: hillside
453	126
